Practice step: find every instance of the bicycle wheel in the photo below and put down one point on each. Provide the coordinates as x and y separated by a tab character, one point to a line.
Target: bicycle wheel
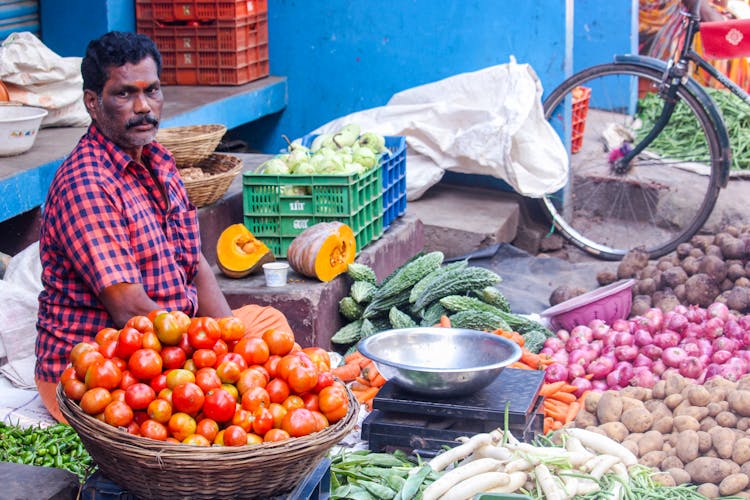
664	195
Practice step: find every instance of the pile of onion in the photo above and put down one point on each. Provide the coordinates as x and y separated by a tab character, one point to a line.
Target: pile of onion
698	343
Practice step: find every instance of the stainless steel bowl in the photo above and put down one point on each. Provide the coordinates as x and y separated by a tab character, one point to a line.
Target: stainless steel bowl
443	362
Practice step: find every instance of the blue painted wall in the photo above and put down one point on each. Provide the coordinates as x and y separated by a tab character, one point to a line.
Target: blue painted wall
603	29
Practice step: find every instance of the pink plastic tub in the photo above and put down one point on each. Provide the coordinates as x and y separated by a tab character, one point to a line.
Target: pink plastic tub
607	303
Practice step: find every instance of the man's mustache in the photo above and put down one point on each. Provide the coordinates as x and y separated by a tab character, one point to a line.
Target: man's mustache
142	120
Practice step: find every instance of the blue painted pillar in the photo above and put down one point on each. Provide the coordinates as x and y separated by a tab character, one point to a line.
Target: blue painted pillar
67	27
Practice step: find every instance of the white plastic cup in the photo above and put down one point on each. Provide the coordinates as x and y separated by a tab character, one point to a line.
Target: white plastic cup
275	273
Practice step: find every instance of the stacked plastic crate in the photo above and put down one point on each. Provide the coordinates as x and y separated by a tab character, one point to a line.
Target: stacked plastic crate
207	42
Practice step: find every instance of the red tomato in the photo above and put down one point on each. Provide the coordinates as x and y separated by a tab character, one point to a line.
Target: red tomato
132	428
324	380
173	357
204	358
244	419
151	341
108	348
254	398
179	376
184	344
221	347
207	428
231	328
272	364
188	398
207	379
278	390
203	332
67	374
275	435
299	422
253	349
168	329
234	435
279	341
118	395
139	396
86	359
262	420
196	440
139	416
79	349
159	410
74	389
229	371
302	379
103	373
154	430
127	379
106	335
183	320
321	420
296	358
159	382
311	401
219	405
153	314
319	357
181	425
118	414
293	401
140	323
333	402
145	364
129	341
95	400
278	413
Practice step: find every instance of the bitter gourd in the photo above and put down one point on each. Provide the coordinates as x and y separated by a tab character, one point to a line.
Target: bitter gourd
423	284
400	319
457	303
475	320
350	309
493	296
367	329
362	291
383	305
348	333
455	282
409	274
362	272
431	315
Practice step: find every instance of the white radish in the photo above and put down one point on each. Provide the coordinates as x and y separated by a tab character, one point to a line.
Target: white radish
517	480
459	474
604	445
587	486
440	462
496	452
548	483
573	445
570	484
519	464
477	484
604	465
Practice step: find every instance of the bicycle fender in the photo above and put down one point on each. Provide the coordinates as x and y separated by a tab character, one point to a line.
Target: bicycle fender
705	99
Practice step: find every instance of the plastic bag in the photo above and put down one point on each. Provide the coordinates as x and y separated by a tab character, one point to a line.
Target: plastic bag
36	76
488	122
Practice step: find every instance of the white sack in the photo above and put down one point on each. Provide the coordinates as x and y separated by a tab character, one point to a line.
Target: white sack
489	122
36	76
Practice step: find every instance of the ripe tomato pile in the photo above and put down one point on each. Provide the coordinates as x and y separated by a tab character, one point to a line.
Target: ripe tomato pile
202	381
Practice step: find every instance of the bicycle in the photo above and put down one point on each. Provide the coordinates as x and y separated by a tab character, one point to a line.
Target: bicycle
621	193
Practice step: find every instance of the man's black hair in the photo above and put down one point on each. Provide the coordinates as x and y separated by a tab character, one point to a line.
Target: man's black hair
113	50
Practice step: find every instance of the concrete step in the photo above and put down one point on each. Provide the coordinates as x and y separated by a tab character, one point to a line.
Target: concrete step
460	219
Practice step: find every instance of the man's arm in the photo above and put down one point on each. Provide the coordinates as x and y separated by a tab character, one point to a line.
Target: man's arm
125	300
211	302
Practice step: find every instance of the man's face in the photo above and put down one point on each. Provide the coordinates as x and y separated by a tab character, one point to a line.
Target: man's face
129	109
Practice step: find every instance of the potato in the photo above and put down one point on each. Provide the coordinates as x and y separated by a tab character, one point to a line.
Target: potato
723	441
673	401
672	462
702	241
675	384
679	292
585	419
683	250
684	409
734	483
691	265
634	392
741	451
668	302
659	390
673	276
591	401
563	293
733	248
596	429
738	298
715	251
704	441
684	423
633	261
701	289
736	270
739	402
743	423
615	430
605	278
698	395
726	419
650	441
663	479
679	475
745	469
657	408
708	423
641	304
663	425
630	403
631	446
714	409
708	470
687	446
609	408
637	419
709	490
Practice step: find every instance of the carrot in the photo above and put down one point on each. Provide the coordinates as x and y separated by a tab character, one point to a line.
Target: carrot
369	393
378	381
551	388
521	366
370	372
565	397
569	388
582	397
553	403
347	372
353	356
365	362
556	425
547	424
559	416
363	382
444	322
359	386
573	410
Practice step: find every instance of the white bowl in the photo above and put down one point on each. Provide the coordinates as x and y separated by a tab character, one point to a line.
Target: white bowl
19	126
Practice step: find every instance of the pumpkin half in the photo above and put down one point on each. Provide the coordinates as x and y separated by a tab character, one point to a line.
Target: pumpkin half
323	250
239	253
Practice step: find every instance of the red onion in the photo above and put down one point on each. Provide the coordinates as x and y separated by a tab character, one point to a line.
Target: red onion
582	331
642	360
599	329
555	373
600	367
695	314
673	356
554	343
713	370
580	357
654	319
621	325
743	354
575	370
691	367
693	331
623	338
621	375
667	338
658	367
599	385
721	356
731	371
574	343
597	346
583	385
643	377
652	351
744	322
626	352
674	321
560	356
563	335
705	346
546	351
642	337
718	310
745	338
680	309
713	327
691	348
724	344
734	329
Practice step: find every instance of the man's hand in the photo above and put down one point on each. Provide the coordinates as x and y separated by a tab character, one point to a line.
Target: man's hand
211	301
125	300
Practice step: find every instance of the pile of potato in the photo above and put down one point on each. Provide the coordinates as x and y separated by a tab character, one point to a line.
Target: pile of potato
690	433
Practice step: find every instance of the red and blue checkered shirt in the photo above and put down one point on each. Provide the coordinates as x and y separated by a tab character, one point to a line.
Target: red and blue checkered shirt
105	222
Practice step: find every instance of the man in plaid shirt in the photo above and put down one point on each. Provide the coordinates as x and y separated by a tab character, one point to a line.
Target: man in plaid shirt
119	237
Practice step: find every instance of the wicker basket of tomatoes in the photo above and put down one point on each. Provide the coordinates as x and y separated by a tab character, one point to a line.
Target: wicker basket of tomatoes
187	412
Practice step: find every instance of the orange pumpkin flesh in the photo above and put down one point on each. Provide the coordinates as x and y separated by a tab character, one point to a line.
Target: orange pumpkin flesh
323	251
239	253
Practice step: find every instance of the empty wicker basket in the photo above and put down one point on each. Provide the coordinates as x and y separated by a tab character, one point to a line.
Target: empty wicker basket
191	143
158	469
218	172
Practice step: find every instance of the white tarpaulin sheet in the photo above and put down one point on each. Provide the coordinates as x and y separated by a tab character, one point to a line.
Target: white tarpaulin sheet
487	122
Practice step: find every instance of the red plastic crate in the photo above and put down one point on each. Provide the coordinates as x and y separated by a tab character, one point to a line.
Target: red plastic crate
234	35
197	10
215	76
578	122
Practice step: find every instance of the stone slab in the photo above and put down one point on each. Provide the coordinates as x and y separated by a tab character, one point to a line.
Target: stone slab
42	483
459	219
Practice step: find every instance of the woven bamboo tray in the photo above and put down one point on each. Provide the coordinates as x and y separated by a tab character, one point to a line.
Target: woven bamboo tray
191	143
223	168
157	469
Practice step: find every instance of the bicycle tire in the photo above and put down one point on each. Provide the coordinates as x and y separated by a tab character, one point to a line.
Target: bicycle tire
663	199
